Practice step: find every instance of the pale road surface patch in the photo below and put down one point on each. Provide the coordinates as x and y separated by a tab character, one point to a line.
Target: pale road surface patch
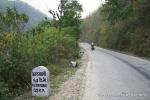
116	76
73	89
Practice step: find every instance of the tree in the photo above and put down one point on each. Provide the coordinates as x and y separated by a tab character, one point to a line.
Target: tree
12	21
122	24
68	14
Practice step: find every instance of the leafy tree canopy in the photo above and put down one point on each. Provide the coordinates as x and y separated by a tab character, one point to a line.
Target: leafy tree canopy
68	14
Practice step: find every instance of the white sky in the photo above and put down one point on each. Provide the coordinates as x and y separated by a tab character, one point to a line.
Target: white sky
44	5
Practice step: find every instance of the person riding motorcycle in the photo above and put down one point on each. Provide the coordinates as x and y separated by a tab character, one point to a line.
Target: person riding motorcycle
92	46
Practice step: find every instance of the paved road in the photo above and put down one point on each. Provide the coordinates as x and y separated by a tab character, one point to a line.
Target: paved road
116	76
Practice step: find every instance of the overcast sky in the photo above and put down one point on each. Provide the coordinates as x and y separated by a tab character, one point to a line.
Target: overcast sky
44	5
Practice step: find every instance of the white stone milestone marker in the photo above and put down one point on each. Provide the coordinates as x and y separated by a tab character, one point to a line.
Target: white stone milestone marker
40	82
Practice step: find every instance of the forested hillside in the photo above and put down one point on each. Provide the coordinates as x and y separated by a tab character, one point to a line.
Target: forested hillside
35	16
121	25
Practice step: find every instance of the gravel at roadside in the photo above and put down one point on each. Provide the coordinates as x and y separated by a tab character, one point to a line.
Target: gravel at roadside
73	89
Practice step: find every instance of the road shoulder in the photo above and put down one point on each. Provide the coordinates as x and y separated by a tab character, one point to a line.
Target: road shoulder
73	89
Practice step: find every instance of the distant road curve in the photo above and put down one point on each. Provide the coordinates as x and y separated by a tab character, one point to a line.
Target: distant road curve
116	76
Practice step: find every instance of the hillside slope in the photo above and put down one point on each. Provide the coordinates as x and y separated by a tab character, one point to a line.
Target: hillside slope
35	16
119	25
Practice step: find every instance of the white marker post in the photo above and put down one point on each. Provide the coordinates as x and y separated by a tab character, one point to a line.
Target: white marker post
40	82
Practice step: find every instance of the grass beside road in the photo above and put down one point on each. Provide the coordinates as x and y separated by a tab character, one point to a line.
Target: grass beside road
56	81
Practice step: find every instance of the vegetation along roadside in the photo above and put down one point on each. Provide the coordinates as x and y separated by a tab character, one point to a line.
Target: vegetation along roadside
53	43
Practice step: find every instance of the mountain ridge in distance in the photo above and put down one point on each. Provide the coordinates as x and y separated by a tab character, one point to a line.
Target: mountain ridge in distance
35	16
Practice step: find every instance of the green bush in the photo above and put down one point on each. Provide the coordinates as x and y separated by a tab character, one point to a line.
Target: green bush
19	56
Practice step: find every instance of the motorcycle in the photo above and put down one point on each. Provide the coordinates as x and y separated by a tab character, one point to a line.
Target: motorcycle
92	47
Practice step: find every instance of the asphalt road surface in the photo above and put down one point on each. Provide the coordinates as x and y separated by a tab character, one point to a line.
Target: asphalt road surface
116	76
